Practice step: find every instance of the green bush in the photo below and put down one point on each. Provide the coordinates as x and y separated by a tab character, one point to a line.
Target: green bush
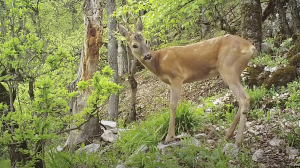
75	159
155	128
185	119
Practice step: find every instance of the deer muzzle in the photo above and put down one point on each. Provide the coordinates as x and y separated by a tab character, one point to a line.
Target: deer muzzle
147	57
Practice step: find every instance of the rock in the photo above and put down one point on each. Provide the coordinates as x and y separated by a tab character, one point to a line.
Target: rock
67	142
217	102
273	69
195	142
281	76
120	166
115	130
248	124
182	135
258	155
276	142
208	110
266	48
142	149
108	136
91	148
231	150
59	148
200	136
252	131
165	148
292	152
210	141
109	124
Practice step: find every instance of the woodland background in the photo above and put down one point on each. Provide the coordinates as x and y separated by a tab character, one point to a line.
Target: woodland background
64	67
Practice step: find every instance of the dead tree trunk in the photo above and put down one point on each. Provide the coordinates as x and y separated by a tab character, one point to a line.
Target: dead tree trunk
93	15
252	21
132	62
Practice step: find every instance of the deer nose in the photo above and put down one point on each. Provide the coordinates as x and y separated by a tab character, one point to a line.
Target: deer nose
147	57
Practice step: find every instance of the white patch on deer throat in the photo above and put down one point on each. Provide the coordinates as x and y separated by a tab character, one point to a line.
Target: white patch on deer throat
165	57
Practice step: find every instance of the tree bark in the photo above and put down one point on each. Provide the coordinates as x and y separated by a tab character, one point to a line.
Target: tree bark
269	10
133	84
93	15
295	15
15	154
122	59
283	23
113	103
252	21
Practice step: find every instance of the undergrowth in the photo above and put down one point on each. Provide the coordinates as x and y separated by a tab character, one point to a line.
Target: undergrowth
190	118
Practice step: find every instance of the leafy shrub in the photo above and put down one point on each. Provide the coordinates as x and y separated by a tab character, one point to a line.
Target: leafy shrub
148	132
185	119
256	95
76	159
155	128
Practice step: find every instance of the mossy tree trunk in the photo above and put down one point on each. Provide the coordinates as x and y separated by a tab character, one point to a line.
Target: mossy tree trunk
294	7
252	21
283	23
93	15
113	103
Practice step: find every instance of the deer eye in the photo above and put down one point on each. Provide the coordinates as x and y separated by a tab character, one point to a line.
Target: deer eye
135	46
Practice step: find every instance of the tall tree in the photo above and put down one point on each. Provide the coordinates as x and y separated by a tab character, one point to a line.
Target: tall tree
283	23
122	59
252	21
112	57
133	84
132	67
93	15
293	5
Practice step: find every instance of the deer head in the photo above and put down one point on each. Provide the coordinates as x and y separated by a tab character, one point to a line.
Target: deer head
136	41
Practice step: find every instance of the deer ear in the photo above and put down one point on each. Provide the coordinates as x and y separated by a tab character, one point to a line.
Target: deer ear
123	30
139	25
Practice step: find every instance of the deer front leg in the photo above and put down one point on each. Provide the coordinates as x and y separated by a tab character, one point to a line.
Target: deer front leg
174	98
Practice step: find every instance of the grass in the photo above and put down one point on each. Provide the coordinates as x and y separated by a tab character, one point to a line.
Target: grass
5	163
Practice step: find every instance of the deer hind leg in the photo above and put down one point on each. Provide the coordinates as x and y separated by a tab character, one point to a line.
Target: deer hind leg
234	83
174	98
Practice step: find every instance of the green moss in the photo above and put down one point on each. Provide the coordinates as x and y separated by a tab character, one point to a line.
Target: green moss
253	73
263	77
279	39
295	60
295	50
281	77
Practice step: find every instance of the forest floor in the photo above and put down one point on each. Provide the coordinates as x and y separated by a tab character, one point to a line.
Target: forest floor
263	137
